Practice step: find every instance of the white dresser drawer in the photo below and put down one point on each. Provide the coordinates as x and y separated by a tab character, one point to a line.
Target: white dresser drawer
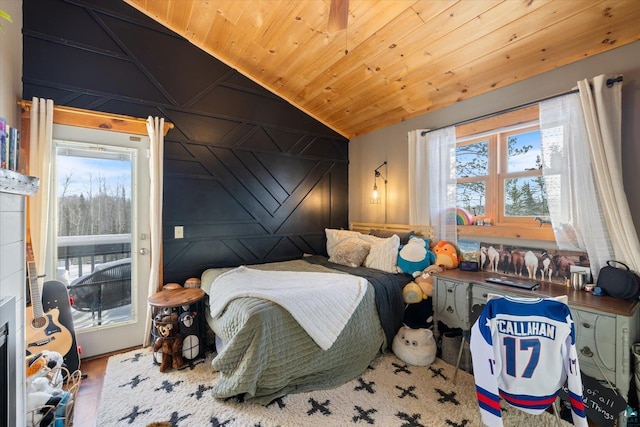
451	304
595	339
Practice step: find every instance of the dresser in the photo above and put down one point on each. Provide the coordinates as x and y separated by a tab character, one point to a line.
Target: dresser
606	327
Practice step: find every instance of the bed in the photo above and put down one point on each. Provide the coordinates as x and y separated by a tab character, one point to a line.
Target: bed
265	353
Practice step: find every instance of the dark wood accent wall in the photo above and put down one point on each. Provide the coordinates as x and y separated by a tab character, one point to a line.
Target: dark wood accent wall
251	178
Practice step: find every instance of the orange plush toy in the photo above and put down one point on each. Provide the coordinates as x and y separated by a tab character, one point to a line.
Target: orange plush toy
446	255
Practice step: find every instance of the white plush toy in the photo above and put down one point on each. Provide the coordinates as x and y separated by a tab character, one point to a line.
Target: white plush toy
415	346
46	400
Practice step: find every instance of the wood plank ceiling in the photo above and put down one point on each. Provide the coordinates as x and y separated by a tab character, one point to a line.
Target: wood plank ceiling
398	58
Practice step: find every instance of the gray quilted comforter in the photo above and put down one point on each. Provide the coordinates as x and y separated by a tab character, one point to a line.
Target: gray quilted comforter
267	354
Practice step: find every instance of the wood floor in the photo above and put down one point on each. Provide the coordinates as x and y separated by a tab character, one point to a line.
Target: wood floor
88	397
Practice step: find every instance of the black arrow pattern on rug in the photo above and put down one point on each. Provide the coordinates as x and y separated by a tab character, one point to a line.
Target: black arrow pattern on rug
135	381
438	373
278	401
216	423
401	368
175	419
410	420
167	386
447	397
198	394
368	386
463	423
364	415
136	358
135	413
407	392
316	406
193	364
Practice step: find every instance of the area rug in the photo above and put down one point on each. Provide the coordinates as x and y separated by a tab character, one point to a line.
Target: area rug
389	393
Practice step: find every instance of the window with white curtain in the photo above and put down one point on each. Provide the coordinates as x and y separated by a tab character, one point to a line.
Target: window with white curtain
499	170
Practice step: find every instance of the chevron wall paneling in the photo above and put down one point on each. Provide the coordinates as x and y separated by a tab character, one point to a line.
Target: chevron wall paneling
249	177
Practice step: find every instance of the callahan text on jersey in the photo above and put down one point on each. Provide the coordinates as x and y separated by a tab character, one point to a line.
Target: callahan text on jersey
526	329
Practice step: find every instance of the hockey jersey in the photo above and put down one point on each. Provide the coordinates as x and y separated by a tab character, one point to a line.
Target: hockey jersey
523	350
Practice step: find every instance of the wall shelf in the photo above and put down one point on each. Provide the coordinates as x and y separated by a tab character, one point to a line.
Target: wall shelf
508	232
17	183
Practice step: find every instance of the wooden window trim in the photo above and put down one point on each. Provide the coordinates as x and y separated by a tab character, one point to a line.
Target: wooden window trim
94	119
518	228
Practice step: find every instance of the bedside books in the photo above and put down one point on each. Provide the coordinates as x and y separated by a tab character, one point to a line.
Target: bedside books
9	146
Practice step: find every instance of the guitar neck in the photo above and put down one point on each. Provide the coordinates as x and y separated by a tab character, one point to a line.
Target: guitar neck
36	299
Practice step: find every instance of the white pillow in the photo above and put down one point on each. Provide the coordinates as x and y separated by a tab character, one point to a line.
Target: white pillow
383	254
335	237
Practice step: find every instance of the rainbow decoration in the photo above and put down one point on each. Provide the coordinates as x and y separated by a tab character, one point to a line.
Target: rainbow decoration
463	217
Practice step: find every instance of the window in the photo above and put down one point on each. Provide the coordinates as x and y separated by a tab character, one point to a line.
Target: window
499	169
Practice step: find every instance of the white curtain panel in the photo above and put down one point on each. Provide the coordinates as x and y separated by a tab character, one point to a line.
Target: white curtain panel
155	128
602	110
574	205
40	146
441	173
419	212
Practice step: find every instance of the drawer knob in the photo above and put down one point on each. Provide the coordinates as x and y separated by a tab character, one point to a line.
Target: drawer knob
450	291
586	325
485	296
450	309
586	351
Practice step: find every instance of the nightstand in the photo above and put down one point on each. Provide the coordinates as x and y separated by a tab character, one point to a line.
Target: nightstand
188	305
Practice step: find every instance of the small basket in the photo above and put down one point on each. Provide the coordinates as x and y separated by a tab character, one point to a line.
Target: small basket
59	378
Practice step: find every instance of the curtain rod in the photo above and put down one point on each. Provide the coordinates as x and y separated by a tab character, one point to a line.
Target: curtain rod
610	83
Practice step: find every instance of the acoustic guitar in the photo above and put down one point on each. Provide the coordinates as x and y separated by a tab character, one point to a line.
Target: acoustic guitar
43	330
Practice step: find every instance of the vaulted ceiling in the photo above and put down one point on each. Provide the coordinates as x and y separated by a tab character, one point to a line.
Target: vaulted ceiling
397	58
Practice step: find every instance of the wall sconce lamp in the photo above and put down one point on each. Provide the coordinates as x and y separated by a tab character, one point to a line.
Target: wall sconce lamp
375	197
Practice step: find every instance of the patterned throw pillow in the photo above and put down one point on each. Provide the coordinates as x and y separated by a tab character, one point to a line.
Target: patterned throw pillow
351	252
335	237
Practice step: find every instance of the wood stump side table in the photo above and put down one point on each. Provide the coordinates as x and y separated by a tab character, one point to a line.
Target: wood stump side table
188	304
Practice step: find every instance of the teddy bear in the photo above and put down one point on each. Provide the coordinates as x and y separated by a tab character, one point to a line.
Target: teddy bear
446	255
169	341
415	256
415	346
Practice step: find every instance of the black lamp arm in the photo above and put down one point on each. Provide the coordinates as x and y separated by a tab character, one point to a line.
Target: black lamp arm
377	171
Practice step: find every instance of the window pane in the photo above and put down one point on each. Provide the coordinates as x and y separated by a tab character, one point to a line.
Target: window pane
472	160
94	185
471	196
525	197
524	152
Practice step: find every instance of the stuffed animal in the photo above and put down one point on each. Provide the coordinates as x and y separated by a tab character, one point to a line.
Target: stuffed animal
43	398
415	346
40	408
446	255
169	341
422	286
415	256
44	385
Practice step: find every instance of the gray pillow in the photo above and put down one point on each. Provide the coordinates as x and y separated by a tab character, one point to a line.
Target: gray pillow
351	252
404	237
